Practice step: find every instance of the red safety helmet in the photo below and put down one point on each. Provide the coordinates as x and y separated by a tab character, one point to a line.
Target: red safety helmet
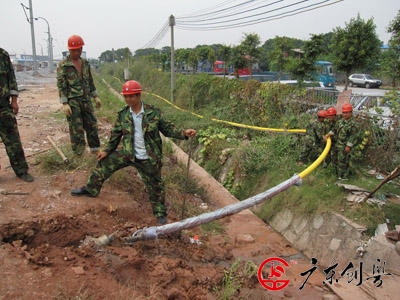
75	42
347	108
331	111
131	87
322	113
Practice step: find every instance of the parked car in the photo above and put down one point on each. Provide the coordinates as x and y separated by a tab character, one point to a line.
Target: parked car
364	80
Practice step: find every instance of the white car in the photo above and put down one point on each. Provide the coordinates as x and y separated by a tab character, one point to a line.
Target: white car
364	80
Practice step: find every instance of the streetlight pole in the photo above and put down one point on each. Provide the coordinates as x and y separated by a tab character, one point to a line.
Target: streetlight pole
172	24
50	45
41	51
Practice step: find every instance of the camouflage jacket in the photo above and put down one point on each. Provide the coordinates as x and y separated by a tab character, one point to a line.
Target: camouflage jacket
347	132
332	129
8	83
70	84
153	123
317	131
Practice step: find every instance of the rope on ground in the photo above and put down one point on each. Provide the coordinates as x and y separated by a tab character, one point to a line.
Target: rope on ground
279	130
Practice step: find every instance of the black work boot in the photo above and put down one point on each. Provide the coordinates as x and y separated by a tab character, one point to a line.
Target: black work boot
81	192
26	177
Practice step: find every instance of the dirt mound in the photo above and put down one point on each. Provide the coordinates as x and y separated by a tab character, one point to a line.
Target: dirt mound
57	255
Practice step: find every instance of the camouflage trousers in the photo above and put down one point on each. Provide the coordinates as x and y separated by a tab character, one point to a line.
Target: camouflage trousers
332	157
83	120
150	174
308	147
311	150
10	136
343	161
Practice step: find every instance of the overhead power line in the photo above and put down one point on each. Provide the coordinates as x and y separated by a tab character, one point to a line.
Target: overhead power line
211	11
230	14
257	16
158	37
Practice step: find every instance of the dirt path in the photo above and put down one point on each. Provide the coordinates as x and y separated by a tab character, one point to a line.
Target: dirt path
43	256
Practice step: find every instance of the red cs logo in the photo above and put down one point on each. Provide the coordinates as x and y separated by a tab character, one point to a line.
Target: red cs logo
276	271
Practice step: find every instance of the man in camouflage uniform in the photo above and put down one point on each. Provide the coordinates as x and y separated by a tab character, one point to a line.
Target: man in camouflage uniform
314	140
347	134
137	128
8	123
331	115
76	87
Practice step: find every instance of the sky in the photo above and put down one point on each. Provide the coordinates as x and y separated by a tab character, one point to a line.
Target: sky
105	25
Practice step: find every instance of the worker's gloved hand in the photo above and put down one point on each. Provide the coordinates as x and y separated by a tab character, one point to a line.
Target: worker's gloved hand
97	101
67	109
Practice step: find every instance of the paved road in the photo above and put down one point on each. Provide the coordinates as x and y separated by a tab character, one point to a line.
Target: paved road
357	90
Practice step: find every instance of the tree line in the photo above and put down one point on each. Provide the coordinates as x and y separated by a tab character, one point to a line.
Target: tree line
353	48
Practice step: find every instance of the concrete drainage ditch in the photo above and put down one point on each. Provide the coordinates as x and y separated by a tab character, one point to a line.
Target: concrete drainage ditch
331	239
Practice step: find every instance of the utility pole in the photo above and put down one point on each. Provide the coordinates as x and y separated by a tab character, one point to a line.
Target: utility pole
30	21
35	68
172	24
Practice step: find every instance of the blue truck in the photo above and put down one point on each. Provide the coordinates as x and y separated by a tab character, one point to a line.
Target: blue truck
324	74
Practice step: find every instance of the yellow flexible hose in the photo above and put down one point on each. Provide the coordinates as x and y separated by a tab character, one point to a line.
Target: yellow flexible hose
303	174
318	161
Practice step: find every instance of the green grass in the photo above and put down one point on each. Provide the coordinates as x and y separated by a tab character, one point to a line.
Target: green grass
234	278
213	227
51	161
111	103
392	212
319	194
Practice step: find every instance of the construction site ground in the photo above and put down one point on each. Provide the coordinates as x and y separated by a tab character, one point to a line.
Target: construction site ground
45	252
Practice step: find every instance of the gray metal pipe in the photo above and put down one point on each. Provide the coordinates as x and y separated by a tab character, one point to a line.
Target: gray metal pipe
153	232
